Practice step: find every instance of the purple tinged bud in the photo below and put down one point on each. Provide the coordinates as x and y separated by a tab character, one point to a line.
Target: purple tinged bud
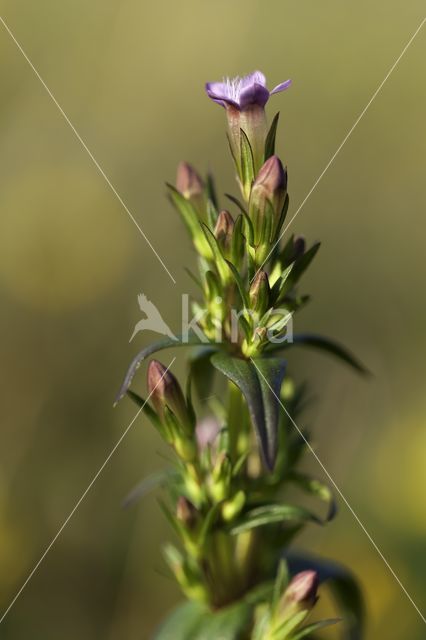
186	513
188	181
272	177
299	246
267	199
302	590
206	433
224	224
260	292
224	229
165	391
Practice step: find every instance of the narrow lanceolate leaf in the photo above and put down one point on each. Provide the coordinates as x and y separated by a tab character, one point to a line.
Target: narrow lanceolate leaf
237	202
148	484
186	210
273	514
270	138
280	282
248	225
260	383
211	190
316	488
217	252
247	161
315	626
240	284
167	343
212	214
299	267
270	372
238	242
148	411
327	345
281	583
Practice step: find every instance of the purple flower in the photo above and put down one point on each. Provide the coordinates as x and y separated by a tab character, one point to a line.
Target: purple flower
242	93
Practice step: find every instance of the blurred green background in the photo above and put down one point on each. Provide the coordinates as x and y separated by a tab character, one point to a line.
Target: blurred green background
130	75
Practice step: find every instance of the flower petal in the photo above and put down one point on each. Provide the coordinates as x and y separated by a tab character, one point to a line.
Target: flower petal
256	77
220	92
254	94
281	87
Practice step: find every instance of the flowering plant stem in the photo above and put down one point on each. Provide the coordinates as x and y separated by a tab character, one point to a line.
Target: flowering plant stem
237	454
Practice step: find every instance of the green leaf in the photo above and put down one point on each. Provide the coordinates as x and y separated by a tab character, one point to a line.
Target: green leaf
186	209
299	267
249	231
219	259
148	411
211	190
327	345
247	161
167	343
314	627
240	284
280	223
212	214
260	382
148	484
270	138
270	372
316	488
237	202
192	621
281	582
279	284
273	514
189	402
284	630
343	586
238	241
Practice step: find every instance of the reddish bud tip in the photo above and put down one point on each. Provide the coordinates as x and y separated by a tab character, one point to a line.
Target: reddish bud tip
188	181
224	224
186	512
272	176
299	246
165	391
303	589
224	229
260	292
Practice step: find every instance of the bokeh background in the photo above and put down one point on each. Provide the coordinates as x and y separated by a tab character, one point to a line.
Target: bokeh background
130	76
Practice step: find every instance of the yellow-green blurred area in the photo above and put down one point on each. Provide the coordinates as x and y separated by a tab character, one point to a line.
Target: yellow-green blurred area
129	75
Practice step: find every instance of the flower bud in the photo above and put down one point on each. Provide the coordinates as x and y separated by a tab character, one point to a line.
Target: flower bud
220	478
186	513
301	594
165	392
206	433
188	182
232	507
267	200
186	574
259	293
223	231
299	246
